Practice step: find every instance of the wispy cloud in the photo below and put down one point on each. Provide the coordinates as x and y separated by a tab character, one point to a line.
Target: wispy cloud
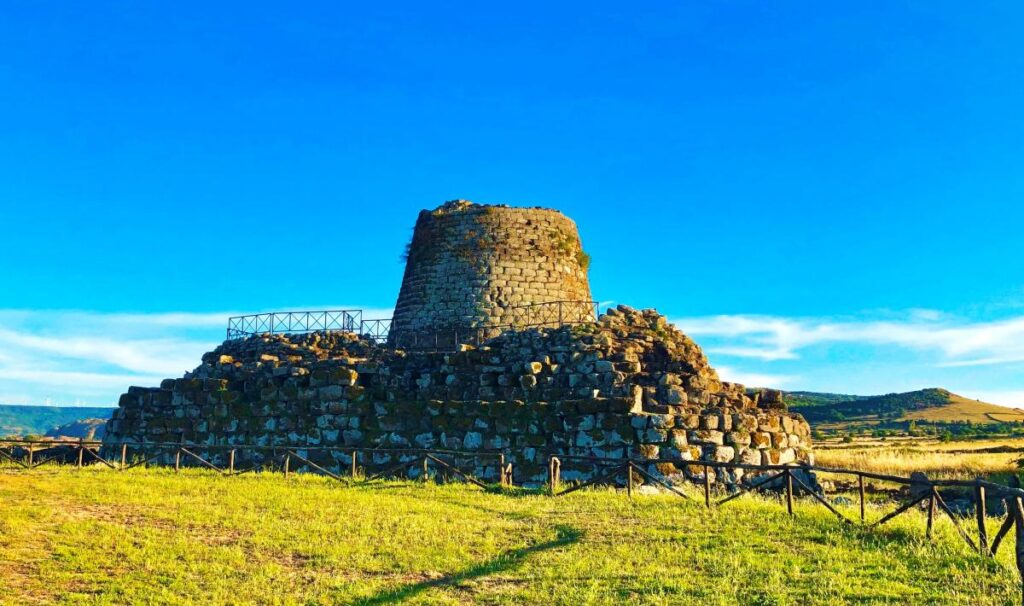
956	342
754	379
1014	398
91	357
70	355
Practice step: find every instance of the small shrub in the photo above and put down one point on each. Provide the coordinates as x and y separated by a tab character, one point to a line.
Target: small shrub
583	259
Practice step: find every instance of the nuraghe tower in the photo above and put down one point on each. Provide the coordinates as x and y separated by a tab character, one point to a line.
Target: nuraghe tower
626	384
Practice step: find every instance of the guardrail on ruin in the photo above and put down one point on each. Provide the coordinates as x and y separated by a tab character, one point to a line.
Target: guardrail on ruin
547	314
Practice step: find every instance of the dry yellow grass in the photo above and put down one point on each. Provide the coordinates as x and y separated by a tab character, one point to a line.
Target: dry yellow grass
903	462
902	456
964	409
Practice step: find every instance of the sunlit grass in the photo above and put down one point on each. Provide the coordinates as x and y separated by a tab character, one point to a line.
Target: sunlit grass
965	459
903	462
151	536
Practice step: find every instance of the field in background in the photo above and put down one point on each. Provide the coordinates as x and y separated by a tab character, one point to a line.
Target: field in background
151	536
931	411
960	408
993	458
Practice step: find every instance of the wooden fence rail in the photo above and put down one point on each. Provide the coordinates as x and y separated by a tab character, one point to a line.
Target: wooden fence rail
791	480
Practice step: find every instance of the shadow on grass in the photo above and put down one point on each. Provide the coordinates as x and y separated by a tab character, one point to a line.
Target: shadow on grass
508	560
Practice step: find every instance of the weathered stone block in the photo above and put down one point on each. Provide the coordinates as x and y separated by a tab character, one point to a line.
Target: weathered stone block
706	436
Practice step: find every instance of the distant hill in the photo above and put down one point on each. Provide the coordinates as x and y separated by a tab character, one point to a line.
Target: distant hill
87	429
16	420
932	405
807	399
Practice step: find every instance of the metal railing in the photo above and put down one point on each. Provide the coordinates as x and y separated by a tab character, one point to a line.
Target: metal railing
449	337
283	322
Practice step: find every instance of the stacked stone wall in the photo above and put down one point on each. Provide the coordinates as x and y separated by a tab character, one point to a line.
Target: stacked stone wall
628	384
471	265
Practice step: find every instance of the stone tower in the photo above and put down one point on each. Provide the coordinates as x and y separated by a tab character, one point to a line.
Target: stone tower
472	265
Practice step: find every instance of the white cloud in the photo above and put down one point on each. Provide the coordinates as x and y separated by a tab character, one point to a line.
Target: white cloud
956	342
86	383
1011	398
157	356
753	379
65	355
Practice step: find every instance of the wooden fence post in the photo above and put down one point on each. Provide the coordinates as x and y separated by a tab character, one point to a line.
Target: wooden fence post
30	448
124	455
860	488
629	479
354	470
426	469
81	452
501	469
789	491
177	459
979	513
931	514
553	473
287	463
231	461
1018	518
707	487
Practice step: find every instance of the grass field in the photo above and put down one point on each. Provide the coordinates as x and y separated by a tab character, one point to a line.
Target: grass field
961	459
965	409
154	537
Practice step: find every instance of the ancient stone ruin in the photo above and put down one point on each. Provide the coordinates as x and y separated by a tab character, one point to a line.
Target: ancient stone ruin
626	384
474	271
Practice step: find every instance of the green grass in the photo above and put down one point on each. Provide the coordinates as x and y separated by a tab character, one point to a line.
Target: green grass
154	537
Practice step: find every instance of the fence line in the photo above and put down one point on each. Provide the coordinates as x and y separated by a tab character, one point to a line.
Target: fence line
533	315
22	453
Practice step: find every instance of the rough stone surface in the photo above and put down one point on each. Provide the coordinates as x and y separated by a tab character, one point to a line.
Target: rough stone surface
472	265
628	383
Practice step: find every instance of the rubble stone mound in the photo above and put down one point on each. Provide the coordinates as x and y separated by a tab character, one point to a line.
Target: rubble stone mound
629	384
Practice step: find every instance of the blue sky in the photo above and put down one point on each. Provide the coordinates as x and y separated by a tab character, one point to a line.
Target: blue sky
826	197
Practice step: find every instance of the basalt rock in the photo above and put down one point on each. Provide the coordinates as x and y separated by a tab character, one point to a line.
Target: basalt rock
543	375
629	384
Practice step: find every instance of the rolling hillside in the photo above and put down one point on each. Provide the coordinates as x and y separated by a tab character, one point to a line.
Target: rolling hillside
933	405
17	420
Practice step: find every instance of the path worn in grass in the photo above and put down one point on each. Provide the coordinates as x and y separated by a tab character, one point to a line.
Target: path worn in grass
152	537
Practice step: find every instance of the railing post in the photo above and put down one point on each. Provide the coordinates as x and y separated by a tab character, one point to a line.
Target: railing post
177	459
426	468
553	464
860	489
1018	519
629	479
354	471
287	463
789	491
231	461
931	513
124	455
707	487
31	447
501	469
979	513
81	452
